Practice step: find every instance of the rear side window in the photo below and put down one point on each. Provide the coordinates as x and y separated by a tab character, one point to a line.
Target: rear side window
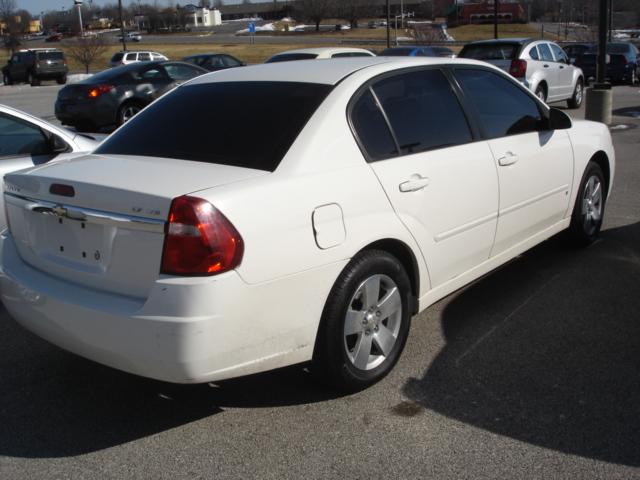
504	109
423	111
545	52
491	51
230	61
243	124
144	57
533	53
372	129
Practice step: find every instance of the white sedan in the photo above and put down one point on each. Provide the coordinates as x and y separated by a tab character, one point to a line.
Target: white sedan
271	215
26	141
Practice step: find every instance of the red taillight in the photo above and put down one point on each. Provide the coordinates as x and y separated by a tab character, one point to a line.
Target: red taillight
199	240
99	90
518	68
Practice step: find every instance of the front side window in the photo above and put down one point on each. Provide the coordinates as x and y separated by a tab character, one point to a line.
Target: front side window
423	111
243	124
131	56
503	107
20	138
559	54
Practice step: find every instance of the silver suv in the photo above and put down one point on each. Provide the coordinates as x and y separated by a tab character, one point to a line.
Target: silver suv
124	58
540	65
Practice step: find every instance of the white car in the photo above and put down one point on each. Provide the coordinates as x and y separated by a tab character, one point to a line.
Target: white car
26	141
124	58
540	65
319	54
279	214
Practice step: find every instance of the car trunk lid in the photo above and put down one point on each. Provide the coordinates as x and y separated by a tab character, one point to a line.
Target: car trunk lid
99	221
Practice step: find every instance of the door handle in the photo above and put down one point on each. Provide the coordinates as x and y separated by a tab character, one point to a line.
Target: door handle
509	159
546	66
415	183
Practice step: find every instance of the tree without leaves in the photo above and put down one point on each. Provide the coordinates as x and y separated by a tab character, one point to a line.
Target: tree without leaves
85	50
354	10
315	10
12	28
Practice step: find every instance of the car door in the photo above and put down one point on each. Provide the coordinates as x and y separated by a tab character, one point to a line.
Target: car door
535	166
550	71
152	83
565	71
441	182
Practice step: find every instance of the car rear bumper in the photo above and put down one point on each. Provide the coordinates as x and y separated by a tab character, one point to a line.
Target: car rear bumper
188	330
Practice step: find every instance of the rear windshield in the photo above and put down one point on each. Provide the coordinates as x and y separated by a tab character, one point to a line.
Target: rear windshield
117	57
50	56
287	57
491	51
396	52
243	124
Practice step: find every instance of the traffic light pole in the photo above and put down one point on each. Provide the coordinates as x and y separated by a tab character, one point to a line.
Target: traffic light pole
599	97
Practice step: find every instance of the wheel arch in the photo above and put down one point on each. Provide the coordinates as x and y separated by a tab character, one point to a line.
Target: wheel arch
407	258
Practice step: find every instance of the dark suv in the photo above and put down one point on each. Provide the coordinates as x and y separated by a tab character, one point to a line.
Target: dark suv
34	65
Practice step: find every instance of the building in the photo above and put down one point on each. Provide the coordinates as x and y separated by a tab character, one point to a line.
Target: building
202	16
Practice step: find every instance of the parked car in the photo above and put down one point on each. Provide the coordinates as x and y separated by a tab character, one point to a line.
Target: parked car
114	96
124	58
214	61
26	141
417	51
623	62
34	65
540	65
575	50
319	53
175	251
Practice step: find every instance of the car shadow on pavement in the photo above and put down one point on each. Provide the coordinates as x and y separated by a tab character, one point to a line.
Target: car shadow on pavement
55	404
547	350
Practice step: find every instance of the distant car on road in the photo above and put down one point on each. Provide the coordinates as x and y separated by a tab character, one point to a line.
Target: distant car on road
114	96
542	66
34	65
417	51
319	53
214	61
623	66
131	37
26	141
124	58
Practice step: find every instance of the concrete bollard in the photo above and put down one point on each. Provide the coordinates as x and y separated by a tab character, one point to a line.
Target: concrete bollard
598	104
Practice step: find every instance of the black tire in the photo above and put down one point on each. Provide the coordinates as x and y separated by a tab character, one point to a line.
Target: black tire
585	227
127	108
61	80
541	93
578	95
332	360
33	80
6	79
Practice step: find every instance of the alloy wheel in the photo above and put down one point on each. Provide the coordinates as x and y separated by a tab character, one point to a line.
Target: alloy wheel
592	205
372	322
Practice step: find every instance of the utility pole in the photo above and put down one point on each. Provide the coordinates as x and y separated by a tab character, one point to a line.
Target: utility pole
495	19
388	25
124	42
610	20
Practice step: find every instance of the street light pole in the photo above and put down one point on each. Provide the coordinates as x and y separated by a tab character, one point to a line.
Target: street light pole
495	19
599	98
388	25
78	4
610	20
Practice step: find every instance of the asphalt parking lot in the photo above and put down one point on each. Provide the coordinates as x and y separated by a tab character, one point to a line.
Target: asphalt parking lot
531	372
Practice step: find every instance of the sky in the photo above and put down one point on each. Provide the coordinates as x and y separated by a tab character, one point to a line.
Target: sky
37	6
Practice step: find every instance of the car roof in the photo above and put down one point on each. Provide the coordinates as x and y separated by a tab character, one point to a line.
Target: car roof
521	41
326	71
319	50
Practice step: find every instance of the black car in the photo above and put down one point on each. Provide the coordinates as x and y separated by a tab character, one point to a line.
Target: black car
623	62
114	96
214	61
574	50
417	51
33	66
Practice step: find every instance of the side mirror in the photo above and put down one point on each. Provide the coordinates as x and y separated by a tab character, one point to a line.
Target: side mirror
558	120
55	144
